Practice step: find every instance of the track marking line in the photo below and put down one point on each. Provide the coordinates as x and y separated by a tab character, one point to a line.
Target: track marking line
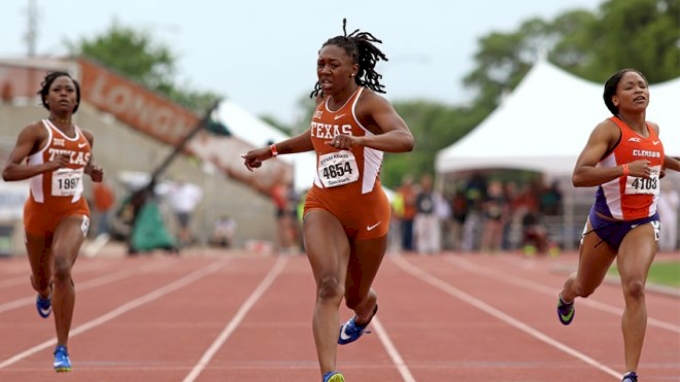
546	290
237	319
490	310
130	305
387	343
89	284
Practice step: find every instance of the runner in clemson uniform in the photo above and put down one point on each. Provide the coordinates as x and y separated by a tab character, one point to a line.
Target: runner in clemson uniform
347	178
346	213
54	154
625	159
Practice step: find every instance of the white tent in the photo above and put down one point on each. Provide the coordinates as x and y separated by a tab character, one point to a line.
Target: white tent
545	122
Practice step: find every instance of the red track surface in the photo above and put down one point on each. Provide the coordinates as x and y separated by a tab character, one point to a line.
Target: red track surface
469	318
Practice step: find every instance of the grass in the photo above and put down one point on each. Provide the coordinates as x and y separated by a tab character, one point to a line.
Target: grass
662	273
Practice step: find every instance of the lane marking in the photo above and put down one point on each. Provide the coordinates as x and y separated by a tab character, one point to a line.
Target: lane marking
237	319
387	343
490	310
89	284
130	305
546	290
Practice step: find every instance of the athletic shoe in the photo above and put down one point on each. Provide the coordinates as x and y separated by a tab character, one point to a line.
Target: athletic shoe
565	312
350	331
62	364
333	376
44	306
630	377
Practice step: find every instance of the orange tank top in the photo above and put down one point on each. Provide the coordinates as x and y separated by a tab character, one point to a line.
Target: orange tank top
353	172
63	187
629	197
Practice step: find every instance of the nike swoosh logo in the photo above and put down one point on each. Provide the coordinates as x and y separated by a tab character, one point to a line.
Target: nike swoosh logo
81	145
567	317
344	336
370	227
655	143
339	116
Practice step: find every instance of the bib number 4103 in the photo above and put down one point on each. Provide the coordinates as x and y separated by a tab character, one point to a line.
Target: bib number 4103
650	186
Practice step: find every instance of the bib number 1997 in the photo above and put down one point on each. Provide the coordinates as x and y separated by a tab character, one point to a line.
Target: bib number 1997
66	182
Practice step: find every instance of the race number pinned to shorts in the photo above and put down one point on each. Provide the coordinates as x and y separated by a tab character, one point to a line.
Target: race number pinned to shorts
66	181
338	168
649	186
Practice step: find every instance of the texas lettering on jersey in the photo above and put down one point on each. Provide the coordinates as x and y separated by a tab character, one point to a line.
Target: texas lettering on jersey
328	131
75	157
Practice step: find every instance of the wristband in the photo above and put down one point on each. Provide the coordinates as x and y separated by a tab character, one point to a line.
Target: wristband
274	151
625	170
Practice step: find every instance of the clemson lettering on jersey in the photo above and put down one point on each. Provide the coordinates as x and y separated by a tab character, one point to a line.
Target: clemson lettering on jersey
630	197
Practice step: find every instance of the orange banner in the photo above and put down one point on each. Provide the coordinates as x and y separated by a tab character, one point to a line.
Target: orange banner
134	105
168	122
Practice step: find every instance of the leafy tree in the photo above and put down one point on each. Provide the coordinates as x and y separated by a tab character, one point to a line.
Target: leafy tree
134	54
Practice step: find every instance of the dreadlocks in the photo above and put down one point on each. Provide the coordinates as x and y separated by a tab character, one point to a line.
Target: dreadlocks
360	46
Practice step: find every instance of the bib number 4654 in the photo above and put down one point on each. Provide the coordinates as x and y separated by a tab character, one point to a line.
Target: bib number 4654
336	170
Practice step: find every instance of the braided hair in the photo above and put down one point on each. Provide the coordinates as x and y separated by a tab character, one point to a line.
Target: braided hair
360	46
47	82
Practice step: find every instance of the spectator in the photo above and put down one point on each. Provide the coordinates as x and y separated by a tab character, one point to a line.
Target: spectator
183	198
551	200
407	197
426	223
103	198
459	209
495	214
285	213
223	232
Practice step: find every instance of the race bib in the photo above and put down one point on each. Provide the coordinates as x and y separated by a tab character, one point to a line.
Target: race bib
66	181
337	169
649	186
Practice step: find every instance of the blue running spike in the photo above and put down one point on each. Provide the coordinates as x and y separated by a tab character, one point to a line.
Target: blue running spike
62	363
350	331
44	306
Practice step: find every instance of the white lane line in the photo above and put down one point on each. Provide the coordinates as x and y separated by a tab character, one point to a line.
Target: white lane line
236	320
89	284
392	351
486	308
551	291
130	305
25	277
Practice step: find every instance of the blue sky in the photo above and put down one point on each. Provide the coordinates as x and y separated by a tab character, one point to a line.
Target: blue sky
262	53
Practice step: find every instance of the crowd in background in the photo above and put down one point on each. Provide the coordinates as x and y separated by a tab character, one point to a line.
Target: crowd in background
478	214
484	214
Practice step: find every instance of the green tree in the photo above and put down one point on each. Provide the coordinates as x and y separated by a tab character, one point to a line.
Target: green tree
135	54
642	34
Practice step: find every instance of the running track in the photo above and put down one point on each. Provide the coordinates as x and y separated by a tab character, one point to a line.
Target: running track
247	319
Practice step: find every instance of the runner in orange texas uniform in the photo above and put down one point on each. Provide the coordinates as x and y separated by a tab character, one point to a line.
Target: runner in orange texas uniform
54	154
347	215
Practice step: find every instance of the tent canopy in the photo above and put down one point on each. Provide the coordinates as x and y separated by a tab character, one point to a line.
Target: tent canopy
546	121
